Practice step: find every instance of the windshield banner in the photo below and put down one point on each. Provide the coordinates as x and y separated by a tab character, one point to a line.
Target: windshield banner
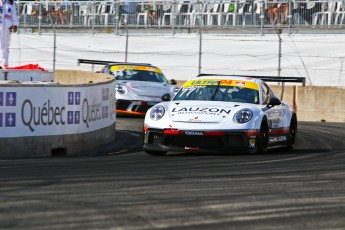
223	82
135	67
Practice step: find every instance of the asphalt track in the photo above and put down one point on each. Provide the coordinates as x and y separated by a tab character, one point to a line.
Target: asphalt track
123	188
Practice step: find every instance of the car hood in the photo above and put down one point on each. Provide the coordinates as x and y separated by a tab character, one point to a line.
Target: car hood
200	111
145	88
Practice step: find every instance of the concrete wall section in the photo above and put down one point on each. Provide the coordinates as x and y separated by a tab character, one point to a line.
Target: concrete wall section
80	77
58	145
315	103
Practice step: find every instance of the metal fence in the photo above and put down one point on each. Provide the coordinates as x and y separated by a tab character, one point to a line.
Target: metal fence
183	14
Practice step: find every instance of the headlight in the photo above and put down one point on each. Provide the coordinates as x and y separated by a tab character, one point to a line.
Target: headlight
121	89
157	112
243	116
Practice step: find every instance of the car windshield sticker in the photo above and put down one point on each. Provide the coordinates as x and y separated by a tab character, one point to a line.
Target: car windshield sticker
134	67
210	82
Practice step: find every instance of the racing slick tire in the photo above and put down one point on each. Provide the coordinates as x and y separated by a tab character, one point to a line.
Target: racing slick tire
155	153
291	138
262	138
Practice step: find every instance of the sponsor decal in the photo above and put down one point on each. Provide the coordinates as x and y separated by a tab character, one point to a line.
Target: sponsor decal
194	133
240	83
277	139
251	143
195	119
47	114
200	110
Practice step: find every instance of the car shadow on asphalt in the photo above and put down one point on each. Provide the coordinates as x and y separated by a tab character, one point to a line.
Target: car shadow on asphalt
268	153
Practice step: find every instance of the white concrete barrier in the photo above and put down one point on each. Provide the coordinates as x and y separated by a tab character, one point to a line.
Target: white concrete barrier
71	112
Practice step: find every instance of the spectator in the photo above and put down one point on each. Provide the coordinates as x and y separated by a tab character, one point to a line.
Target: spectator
275	10
150	9
128	6
9	23
127	9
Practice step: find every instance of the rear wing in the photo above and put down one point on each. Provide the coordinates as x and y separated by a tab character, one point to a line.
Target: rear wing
100	62
266	78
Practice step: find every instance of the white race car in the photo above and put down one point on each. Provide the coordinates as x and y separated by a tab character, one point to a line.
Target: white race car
219	113
139	86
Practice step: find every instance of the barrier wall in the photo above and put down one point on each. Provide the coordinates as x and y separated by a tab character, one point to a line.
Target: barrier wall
313	103
70	114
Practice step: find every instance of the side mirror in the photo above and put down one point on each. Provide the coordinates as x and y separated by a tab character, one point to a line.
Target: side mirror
273	102
173	82
166	97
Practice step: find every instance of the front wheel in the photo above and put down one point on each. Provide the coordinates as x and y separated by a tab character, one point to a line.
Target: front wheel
155	153
262	138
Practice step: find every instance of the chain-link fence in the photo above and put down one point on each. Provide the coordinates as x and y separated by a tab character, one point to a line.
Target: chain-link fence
173	14
318	57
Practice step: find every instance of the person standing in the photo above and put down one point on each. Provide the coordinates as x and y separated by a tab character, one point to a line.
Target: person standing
8	23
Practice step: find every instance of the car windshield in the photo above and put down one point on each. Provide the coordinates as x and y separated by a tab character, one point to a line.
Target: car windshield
219	92
137	73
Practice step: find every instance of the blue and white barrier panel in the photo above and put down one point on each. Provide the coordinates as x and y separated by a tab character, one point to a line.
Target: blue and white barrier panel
47	110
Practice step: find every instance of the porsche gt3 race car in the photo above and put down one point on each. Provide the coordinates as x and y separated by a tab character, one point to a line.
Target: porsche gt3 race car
139	86
219	113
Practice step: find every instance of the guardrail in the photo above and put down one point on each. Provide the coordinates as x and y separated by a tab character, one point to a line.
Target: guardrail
183	14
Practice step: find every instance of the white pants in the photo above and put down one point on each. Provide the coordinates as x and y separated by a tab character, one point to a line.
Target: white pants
5	39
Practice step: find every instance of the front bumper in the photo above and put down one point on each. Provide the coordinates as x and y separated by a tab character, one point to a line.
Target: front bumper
136	107
199	141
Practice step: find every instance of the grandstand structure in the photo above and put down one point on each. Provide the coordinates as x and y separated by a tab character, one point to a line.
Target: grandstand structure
183	14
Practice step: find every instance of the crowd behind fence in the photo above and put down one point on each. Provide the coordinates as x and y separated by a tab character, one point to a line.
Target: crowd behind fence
183	14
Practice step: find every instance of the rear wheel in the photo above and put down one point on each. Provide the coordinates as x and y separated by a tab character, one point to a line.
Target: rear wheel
262	138
292	134
155	153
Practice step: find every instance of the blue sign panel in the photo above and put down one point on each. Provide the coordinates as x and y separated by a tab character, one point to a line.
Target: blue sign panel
70	117
70	98
76	117
104	112
11	99
77	98
10	120
1	98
